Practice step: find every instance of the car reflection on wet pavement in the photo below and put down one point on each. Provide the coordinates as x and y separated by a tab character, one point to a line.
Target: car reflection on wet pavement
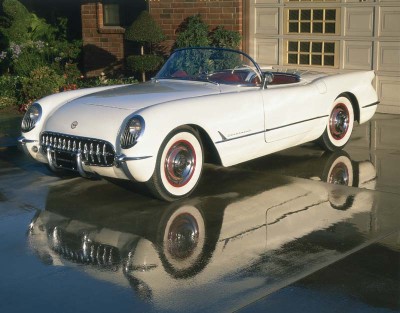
268	235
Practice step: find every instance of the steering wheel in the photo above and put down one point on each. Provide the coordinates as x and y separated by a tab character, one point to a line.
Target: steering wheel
250	76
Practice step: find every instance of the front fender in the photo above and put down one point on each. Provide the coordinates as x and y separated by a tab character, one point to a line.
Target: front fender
49	105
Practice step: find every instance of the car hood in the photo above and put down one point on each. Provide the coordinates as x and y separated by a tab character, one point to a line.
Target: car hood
138	96
101	114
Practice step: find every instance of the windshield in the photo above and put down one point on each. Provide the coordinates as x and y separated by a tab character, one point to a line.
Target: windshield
221	66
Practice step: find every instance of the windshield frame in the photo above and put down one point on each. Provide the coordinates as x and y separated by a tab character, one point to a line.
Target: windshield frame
205	78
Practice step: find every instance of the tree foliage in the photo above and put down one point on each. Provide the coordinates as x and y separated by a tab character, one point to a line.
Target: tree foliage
34	54
15	22
145	30
193	32
144	63
223	38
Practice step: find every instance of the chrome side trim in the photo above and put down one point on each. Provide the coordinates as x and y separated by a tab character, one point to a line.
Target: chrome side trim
22	140
371	105
299	122
224	139
270	129
123	158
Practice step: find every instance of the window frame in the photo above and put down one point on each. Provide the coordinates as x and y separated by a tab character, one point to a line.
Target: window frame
311	53
105	5
312	1
324	21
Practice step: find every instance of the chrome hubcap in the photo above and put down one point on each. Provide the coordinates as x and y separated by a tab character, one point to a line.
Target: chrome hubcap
183	236
339	121
180	163
339	175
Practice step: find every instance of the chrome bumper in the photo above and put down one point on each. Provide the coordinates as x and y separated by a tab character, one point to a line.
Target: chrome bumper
48	155
22	141
123	158
21	144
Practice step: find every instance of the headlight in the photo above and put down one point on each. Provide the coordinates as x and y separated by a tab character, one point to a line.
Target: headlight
32	116
133	130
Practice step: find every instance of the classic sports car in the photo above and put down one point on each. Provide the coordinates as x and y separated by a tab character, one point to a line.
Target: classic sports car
205	105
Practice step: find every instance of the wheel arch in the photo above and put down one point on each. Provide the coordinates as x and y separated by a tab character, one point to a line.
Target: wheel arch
354	103
211	154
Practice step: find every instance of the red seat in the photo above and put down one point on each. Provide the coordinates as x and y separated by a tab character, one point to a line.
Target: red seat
179	74
227	77
282	78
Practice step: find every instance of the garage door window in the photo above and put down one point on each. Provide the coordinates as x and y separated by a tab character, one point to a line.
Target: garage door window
313	0
315	53
312	21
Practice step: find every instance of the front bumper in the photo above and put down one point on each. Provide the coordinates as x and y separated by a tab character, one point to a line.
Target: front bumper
125	167
29	147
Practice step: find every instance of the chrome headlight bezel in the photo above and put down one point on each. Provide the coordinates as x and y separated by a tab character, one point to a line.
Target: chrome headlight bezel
31	118
134	129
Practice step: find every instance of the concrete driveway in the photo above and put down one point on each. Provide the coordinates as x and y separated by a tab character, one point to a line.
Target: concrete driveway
300	230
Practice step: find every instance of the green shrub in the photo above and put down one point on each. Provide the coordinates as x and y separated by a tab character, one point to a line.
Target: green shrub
27	57
223	38
72	73
7	102
145	30
192	33
29	42
41	82
144	63
8	90
18	21
103	80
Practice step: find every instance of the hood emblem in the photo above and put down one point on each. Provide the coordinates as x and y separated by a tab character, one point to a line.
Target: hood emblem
74	124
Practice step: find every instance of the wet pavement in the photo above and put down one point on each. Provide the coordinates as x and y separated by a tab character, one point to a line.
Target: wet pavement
299	230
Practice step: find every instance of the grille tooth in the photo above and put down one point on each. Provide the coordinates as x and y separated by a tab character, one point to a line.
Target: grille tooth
69	145
91	152
98	153
74	146
86	152
104	154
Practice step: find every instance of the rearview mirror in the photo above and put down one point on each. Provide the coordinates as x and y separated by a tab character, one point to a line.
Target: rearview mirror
268	78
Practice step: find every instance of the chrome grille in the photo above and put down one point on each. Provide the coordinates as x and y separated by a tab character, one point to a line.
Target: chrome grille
93	151
96	254
78	249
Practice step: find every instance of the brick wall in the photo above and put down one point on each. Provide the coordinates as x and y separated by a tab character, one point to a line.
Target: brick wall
170	14
103	46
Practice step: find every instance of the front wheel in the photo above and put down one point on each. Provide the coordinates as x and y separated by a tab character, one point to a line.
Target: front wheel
340	125
179	165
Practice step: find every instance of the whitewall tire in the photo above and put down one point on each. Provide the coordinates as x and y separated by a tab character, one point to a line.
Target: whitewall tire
340	125
179	165
183	240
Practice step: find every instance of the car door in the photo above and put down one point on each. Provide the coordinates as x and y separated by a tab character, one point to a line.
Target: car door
291	112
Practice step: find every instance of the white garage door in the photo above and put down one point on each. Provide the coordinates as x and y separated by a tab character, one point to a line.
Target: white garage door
331	35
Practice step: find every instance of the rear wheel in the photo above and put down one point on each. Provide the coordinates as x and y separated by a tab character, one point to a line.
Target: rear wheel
340	125
179	165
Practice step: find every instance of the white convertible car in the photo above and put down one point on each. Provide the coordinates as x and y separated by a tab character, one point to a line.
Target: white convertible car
205	105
